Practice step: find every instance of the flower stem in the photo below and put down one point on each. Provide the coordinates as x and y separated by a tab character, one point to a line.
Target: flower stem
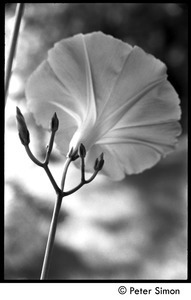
53	225
71	156
83	182
51	237
18	17
49	149
66	165
32	157
82	169
46	168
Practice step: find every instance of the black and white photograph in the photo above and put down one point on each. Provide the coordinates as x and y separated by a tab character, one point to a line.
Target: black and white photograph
95	148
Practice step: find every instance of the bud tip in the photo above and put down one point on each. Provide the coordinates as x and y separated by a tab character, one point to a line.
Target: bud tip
82	150
54	123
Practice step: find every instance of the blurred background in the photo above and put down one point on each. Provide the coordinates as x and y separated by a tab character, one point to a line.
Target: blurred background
132	229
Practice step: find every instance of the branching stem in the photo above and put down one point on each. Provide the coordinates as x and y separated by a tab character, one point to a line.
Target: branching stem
44	166
53	225
83	182
54	184
32	157
59	191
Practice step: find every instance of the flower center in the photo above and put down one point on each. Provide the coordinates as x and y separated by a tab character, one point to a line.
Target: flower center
85	134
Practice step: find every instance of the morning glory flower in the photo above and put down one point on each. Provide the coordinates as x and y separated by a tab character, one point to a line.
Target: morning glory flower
110	97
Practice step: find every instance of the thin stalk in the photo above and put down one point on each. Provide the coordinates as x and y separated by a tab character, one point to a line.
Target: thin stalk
54	184
25	140
49	149
53	225
67	193
18	17
32	157
82	169
51	237
44	166
67	163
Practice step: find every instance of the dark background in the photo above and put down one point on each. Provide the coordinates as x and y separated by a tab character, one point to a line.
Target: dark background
134	229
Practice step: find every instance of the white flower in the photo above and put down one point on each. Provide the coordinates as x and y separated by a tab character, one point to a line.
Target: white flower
111	97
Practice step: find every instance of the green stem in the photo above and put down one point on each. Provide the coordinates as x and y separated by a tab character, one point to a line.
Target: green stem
18	17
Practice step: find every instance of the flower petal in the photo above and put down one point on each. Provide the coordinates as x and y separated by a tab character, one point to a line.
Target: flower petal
70	62
111	97
134	157
133	149
113	170
45	96
44	90
149	126
141	73
140	147
107	56
160	105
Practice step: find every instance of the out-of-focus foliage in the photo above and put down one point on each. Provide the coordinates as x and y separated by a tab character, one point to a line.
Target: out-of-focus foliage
135	229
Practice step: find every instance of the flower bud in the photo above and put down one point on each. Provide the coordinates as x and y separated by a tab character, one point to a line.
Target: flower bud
70	152
101	156
82	150
54	123
22	128
73	154
99	163
96	164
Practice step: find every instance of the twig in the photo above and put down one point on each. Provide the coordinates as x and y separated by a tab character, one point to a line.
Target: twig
51	237
12	51
53	226
72	155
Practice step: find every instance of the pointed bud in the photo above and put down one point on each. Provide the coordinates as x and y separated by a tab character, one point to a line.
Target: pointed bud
70	152
99	163
73	154
22	128
96	164
54	123
101	156
82	150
